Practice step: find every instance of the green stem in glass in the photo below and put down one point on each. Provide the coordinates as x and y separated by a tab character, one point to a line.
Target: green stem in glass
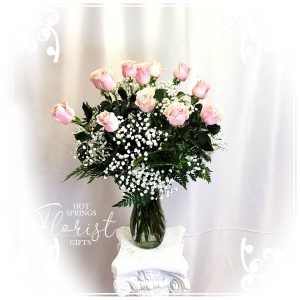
147	224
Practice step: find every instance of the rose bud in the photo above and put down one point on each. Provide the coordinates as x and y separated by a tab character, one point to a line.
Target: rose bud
155	69
108	120
142	73
63	113
210	114
103	79
182	72
145	99
128	68
176	113
201	89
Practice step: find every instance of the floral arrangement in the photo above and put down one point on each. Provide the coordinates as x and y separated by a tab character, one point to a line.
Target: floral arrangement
146	133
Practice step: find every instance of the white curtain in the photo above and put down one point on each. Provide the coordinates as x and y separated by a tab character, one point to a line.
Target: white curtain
242	48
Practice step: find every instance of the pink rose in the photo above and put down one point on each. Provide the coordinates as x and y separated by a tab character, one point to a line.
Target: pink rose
176	113
145	99
108	120
201	89
63	113
103	79
182	72
142	73
155	69
210	114
128	68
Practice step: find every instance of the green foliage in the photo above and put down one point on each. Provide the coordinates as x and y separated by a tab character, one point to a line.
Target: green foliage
122	93
176	81
180	94
123	107
81	172
105	105
132	98
204	141
213	129
160	94
199	106
82	136
168	157
205	175
110	137
88	111
182	179
132	199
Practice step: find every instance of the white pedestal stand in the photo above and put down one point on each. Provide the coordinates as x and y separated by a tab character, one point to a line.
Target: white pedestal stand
159	271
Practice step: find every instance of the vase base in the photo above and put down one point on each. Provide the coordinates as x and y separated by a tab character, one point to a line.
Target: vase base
148	245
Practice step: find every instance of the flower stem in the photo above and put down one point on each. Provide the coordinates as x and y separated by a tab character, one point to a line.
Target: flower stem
176	81
116	97
77	121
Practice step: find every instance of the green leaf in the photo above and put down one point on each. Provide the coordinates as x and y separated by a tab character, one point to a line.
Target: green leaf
109	136
195	118
137	161
121	203
193	177
106	95
126	200
182	179
160	94
163	123
105	105
176	81
82	136
88	111
132	98
132	199
75	173
165	158
205	174
205	156
213	129
123	107
205	141
199	106
194	100
122	93
180	94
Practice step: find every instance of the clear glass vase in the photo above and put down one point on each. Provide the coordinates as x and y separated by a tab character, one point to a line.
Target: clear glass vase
147	224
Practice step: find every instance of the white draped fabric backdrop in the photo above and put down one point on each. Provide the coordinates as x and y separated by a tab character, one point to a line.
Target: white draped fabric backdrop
242	48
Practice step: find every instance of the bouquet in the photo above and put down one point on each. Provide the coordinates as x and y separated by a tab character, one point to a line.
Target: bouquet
146	134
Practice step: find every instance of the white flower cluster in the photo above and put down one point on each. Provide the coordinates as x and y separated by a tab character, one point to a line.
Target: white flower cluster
134	138
171	88
146	181
96	150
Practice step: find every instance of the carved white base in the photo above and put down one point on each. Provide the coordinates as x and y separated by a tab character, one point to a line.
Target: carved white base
159	271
